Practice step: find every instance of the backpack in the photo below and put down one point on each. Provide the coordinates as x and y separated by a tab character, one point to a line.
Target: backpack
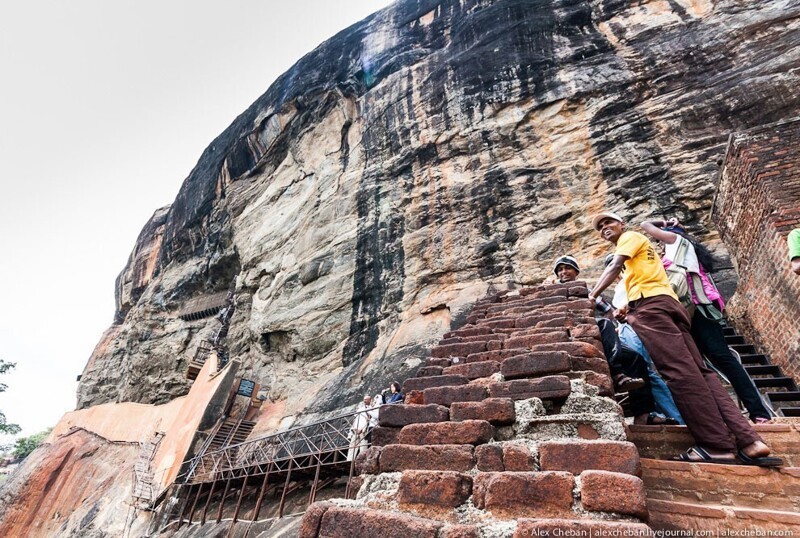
678	276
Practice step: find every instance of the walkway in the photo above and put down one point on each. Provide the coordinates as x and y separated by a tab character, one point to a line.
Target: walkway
310	453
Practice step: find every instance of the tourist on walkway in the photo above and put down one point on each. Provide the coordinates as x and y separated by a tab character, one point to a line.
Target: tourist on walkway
663	326
395	396
709	305
363	422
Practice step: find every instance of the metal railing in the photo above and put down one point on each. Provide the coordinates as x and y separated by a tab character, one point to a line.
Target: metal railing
298	453
328	442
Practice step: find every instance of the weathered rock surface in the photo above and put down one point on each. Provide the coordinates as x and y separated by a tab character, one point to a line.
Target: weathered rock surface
94	471
431	150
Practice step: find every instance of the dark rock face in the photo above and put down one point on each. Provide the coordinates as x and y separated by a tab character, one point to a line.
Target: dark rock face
430	152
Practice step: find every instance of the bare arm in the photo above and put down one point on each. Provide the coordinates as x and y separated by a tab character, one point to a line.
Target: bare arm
796	265
653	229
609	276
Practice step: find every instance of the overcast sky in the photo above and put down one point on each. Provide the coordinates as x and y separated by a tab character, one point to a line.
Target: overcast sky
105	107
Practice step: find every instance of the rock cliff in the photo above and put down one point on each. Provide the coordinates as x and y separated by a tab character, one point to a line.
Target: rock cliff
424	154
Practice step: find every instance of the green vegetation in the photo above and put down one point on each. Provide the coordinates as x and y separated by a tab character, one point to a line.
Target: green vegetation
26	445
5	427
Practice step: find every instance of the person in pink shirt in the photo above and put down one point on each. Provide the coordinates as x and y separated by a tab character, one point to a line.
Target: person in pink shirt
706	327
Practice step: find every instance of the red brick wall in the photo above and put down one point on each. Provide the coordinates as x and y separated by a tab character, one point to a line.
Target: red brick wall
757	205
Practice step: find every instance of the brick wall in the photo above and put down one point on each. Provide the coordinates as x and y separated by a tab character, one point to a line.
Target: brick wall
757	205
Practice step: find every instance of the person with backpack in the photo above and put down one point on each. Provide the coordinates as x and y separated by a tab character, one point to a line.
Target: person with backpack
693	262
721	433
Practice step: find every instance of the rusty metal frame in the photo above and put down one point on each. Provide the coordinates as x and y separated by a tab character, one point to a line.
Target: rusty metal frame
300	453
306	447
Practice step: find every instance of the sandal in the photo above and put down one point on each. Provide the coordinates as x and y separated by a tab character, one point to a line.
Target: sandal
698	454
762	420
654	419
764	461
627	384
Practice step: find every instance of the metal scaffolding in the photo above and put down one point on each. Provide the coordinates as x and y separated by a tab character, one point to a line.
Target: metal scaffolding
311	453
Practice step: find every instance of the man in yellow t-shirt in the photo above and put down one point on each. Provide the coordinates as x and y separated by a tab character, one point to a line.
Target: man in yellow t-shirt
644	275
663	326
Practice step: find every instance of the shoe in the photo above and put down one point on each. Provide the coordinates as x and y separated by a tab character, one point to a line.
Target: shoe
698	454
762	420
765	461
627	384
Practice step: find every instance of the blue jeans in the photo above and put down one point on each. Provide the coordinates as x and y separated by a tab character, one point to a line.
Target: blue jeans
661	394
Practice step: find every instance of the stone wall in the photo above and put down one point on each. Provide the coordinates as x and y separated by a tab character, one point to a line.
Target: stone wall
757	205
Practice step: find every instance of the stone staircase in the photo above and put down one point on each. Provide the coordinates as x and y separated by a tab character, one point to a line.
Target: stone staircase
710	497
507	430
781	391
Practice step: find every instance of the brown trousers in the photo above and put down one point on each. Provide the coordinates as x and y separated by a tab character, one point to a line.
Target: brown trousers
663	325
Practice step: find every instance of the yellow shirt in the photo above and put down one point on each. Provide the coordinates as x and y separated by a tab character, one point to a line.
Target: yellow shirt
644	273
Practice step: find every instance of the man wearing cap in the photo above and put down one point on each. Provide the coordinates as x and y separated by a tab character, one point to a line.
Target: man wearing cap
663	326
628	368
566	269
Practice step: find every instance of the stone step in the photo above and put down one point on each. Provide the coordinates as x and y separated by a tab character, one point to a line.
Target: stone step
666	442
469	339
460	350
468	330
468	432
399	415
496	355
555	387
743	486
535	364
448	489
423	383
393	458
473	370
578	455
331	521
496	411
433	361
716	518
511	495
449	394
429	371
